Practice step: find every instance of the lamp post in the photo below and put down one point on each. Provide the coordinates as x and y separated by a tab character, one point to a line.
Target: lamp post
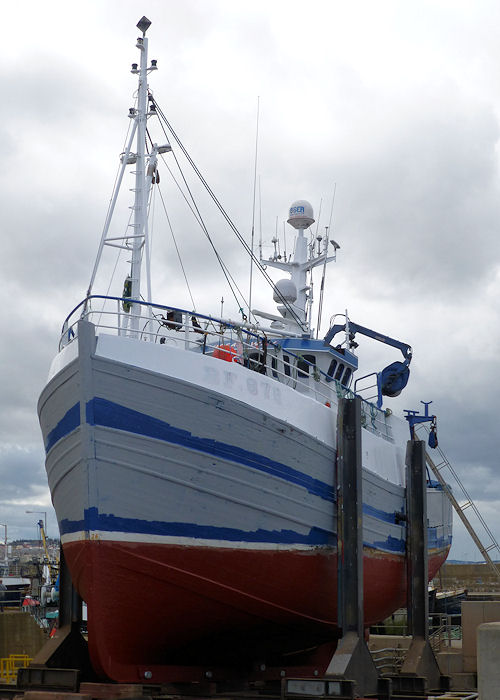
5	553
40	512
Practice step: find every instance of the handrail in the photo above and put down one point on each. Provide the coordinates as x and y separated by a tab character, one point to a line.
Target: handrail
227	322
378	393
317	381
389	660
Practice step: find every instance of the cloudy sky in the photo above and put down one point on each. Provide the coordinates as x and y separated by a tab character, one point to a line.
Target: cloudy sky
394	104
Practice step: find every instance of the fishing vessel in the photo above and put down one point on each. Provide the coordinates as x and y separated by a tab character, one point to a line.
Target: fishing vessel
15	585
191	457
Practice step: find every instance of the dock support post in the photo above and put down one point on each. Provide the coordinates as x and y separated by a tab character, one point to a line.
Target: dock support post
352	659
420	660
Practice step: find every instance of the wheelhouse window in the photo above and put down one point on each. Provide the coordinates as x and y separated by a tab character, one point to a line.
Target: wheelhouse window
255	360
331	370
304	364
286	365
339	372
274	365
347	376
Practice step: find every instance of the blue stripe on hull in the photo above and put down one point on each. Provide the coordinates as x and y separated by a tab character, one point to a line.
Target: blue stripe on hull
101	412
112	415
108	414
93	520
69	422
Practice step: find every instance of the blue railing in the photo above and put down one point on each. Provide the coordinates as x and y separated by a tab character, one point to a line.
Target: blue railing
226	339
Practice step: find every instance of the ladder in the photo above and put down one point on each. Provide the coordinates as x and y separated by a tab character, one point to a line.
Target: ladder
460	509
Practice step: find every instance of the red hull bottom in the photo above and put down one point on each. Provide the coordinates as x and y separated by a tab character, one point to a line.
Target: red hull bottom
152	607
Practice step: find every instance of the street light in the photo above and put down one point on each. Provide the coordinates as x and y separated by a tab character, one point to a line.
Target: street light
5	553
40	512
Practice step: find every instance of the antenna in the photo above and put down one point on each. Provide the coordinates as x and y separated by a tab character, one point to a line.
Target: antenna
253	209
319	215
274	240
260	223
327	238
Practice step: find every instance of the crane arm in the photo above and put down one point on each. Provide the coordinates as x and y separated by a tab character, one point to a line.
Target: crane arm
375	335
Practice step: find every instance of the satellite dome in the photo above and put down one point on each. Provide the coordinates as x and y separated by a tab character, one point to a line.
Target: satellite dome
301	214
285	289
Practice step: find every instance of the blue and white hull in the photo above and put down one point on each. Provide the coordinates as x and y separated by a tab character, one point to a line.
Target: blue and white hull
180	477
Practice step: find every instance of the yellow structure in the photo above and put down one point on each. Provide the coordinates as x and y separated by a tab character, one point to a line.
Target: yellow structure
10	665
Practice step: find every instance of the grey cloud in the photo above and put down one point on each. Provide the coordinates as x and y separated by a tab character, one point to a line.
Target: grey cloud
22	474
426	207
415	164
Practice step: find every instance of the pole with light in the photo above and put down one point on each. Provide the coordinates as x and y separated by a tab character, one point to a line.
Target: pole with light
40	512
5	553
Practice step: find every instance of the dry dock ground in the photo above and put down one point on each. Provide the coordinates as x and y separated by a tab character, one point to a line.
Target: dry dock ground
457	657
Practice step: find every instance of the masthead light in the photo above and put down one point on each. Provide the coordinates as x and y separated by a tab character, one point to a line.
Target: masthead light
143	24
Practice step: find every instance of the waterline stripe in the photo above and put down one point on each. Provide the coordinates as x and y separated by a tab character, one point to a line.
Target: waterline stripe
111	528
95	521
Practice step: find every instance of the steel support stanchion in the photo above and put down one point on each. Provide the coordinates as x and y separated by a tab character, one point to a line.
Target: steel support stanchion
420	663
352	660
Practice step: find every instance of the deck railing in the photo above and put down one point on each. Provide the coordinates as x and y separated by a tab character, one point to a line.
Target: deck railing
10	665
259	349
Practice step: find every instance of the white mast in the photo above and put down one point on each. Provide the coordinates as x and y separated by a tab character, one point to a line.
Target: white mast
140	201
145	165
295	290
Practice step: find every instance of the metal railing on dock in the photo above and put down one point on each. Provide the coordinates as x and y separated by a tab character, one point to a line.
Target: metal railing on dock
389	660
10	665
444	631
256	348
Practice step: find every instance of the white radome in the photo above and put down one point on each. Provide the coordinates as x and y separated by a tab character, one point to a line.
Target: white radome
285	289
300	214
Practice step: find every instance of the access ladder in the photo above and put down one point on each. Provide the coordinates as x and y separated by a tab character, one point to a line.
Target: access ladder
460	509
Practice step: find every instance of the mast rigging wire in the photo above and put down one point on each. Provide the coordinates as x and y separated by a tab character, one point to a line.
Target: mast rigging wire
176	246
194	212
322	289
156	181
260	222
116	185
230	223
253	208
198	213
229	278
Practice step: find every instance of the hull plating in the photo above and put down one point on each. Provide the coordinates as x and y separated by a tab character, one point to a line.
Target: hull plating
194	520
209	607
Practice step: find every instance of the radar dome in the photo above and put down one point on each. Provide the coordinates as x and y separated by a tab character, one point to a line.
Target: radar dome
301	214
285	289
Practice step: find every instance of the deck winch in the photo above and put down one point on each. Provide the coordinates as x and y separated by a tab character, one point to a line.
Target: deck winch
414	418
392	379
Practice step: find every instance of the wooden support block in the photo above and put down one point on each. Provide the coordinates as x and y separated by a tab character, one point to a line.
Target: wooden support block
106	691
54	695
